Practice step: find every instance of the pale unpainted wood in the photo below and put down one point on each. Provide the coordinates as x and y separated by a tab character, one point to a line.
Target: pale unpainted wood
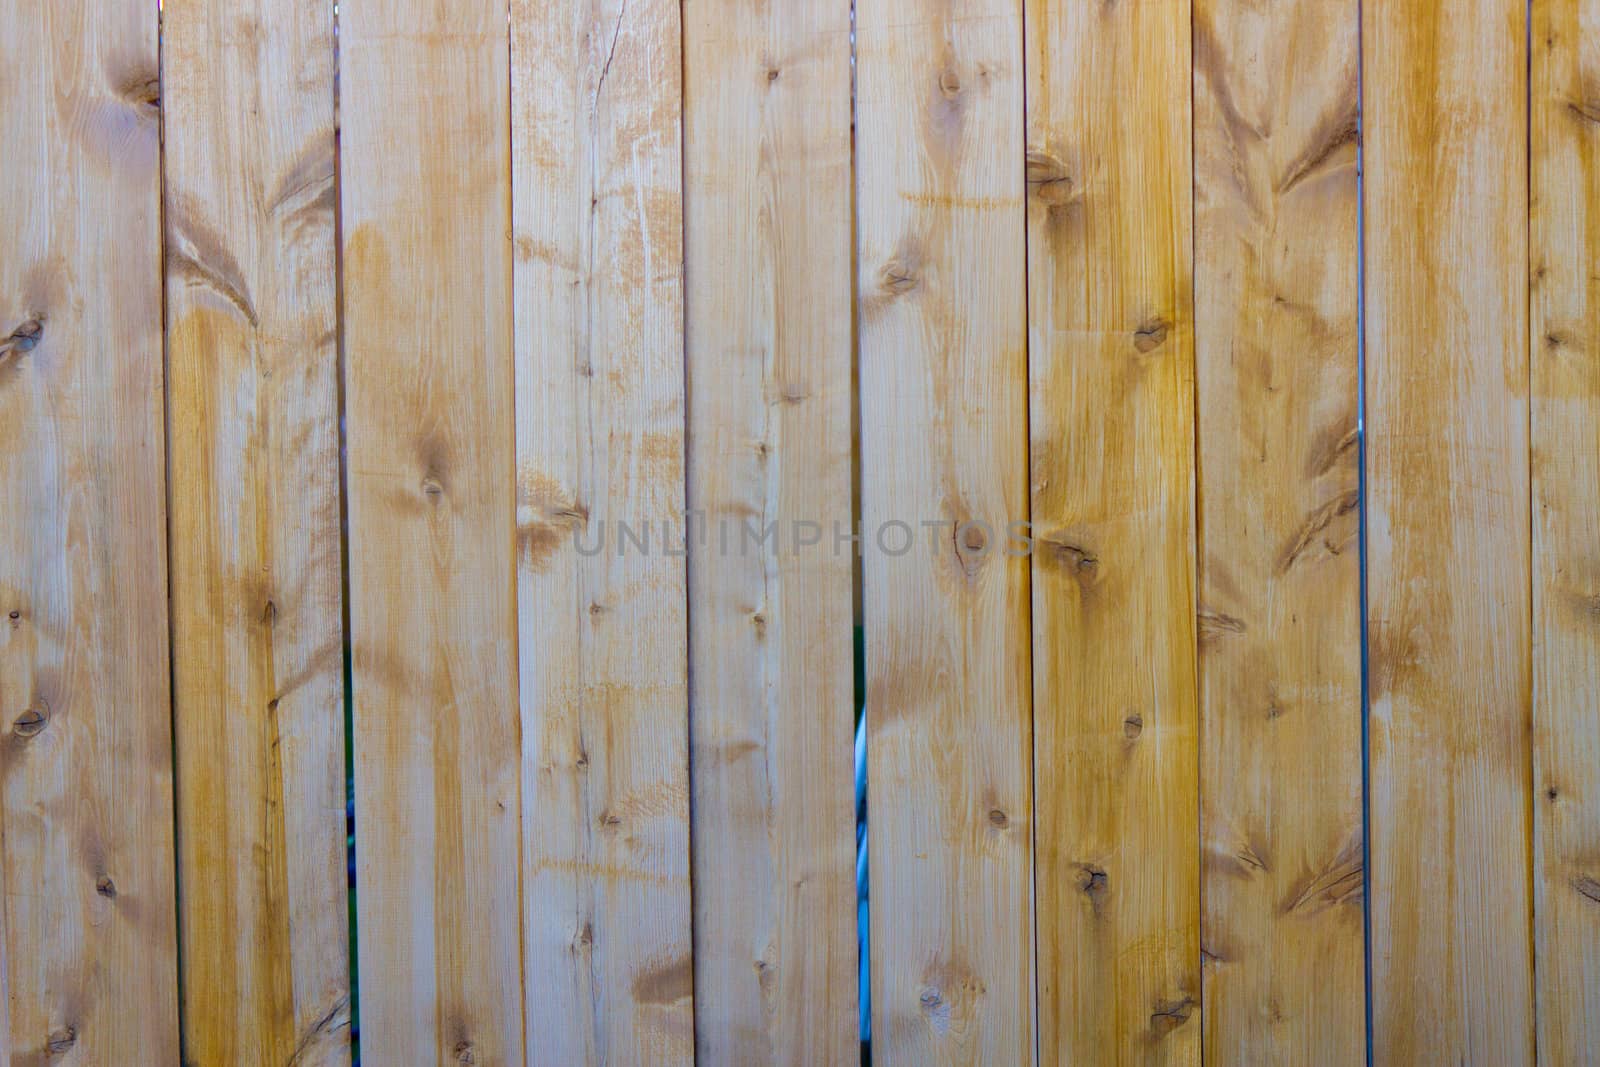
942	299
1276	94
1565	355
1445	120
1111	365
89	947
425	186
254	517
768	258
596	90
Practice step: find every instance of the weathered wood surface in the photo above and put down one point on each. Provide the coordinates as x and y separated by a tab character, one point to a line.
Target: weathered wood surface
89	949
596	99
941	290
594	261
1277	332
425	184
1445	122
1111	365
768	246
254	515
1565	355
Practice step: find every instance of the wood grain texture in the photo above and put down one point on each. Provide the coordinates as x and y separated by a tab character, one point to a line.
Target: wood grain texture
256	602
425	172
939	187
89	950
1111	363
597	99
1445	112
1565	356
1276	94
768	249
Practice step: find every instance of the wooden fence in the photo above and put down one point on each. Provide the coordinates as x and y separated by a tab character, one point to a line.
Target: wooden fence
431	334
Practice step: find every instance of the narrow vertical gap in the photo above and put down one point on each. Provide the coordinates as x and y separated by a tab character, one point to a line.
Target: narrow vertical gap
172	637
1027	506
511	520
1533	592
688	468
857	577
1196	535
1362	522
344	556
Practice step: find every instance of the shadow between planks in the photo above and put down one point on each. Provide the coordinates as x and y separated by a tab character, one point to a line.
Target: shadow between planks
329	335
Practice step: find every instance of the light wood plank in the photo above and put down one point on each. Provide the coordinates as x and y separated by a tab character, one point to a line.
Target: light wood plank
1112	387
1565	354
425	171
1445	104
596	90
939	186
768	242
1276	333
256	603
90	953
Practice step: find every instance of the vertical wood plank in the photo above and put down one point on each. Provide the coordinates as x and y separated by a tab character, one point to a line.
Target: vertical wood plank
768	244
597	102
426	171
90	942
1565	354
1445	106
1276	92
1112	390
939	185
256	608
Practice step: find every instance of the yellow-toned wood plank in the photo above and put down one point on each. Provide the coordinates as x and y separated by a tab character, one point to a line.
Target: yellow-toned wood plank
1111	366
90	952
597	99
941	277
1276	94
1565	355
256	608
768	243
1445	117
425	184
